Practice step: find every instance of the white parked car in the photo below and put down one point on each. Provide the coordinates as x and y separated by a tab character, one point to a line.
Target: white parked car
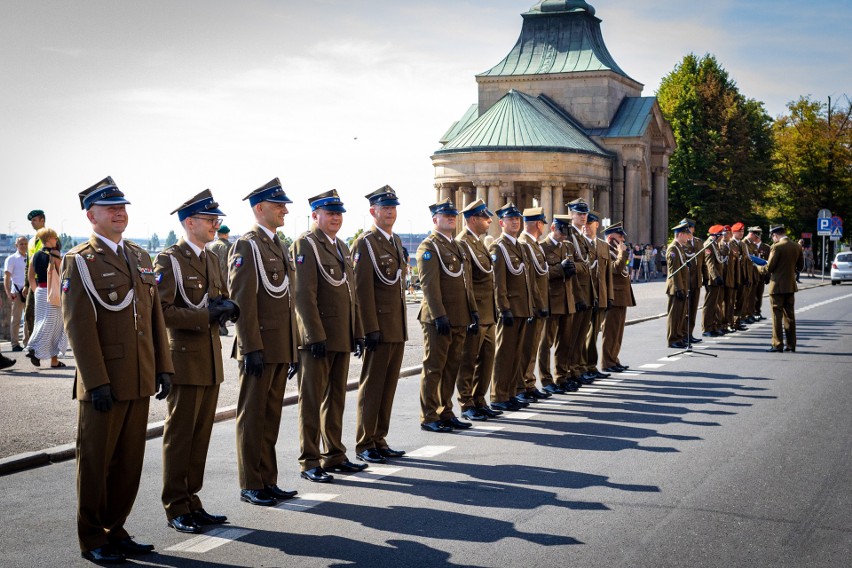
841	268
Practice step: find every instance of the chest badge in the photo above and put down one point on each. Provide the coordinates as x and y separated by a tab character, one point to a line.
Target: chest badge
113	296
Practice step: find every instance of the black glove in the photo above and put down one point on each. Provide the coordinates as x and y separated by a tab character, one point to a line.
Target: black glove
216	310
318	349
508	318
568	267
473	328
442	324
232	314
102	398
164	385
707	287
581	306
253	363
543	313
718	281
371	342
359	347
680	295
291	372
766	279
609	303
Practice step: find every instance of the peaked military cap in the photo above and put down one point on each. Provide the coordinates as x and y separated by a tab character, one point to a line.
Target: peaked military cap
383	197
272	192
615	229
579	205
681	227
689	222
594	217
35	213
201	204
777	229
105	192
508	210
328	200
755	229
562	221
224	230
444	207
477	207
534	214
737	227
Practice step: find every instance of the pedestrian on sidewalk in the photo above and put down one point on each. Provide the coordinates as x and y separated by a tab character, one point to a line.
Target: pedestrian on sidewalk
37	219
48	340
15	272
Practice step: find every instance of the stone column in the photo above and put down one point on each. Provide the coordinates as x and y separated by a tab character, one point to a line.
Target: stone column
558	200
482	191
660	229
445	190
586	193
494	203
546	200
467	196
602	202
632	189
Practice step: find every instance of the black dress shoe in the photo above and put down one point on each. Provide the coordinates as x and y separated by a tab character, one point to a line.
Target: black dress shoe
612	369
695	339
525	397
539	394
35	361
457	424
599	375
17	348
622	368
506	406
370	455
389	453
788	348
571	385
129	547
256	497
586	378
437	426
474	414
278	493
317	475
185	524
347	466
104	555
489	412
677	345
553	389
710	334
5	362
775	349
203	518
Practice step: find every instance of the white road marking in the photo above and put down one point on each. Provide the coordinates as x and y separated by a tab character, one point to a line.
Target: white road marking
207	542
480	430
306	501
670	358
651	366
429	451
524	415
818	304
373	473
554	400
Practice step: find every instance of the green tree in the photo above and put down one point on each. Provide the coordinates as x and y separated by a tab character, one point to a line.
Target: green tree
66	242
285	240
171	239
813	153
351	239
722	166
154	242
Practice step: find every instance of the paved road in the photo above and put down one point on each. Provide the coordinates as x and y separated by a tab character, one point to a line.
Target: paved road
740	460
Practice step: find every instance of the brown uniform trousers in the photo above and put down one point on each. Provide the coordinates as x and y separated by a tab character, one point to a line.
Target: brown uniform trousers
676	325
514	291
477	360
744	283
732	282
114	348
380	288
585	291
785	259
713	267
326	310
557	331
197	356
616	315
444	277
540	274
602	275
266	324
762	252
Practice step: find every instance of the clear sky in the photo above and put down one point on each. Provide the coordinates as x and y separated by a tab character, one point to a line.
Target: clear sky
173	97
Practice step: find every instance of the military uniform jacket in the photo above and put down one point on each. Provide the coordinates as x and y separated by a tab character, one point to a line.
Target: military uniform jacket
539	271
380	284
785	259
622	291
733	273
751	249
264	293
696	268
444	277
326	306
714	262
584	289
127	347
601	271
512	277
675	258
560	288
195	345
221	248
482	276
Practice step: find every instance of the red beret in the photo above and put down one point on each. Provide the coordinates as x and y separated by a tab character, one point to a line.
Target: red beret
738	227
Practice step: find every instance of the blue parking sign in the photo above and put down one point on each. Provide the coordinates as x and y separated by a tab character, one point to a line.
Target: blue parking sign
824	227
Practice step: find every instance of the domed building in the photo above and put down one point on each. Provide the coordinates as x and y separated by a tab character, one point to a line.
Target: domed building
558	119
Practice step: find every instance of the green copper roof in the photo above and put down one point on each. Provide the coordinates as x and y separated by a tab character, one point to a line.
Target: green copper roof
558	36
631	120
520	122
460	124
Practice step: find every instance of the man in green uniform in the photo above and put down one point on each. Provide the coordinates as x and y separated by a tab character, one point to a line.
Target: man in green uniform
115	326
622	298
585	293
602	277
714	284
676	287
221	247
762	251
785	260
693	245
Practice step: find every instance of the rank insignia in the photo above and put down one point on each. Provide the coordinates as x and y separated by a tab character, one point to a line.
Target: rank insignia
427	255
158	277
238	262
300	259
356	257
113	296
66	284
90	257
143	270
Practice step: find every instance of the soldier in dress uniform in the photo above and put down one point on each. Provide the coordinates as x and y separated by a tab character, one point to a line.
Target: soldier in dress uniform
260	278
379	260
622	298
762	251
330	329
599	264
194	301
477	360
221	247
750	248
585	292
559	255
676	287
115	325
785	260
447	313
534	225
745	275
714	284
693	245
733	273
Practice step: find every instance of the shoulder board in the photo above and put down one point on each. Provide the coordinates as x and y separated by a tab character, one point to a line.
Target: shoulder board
248	235
131	244
79	248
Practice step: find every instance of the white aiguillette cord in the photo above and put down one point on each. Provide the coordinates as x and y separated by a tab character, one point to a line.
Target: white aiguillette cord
274	291
179	279
92	292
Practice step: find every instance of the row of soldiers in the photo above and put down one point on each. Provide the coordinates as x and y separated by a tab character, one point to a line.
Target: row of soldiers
723	265
492	315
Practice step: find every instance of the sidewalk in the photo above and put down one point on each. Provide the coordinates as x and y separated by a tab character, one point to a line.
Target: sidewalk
39	418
